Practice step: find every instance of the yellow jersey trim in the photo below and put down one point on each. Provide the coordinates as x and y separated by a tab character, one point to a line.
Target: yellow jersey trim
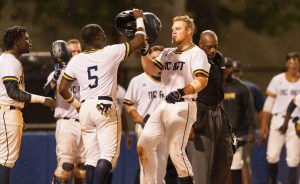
271	94
180	52
200	71
127	102
157	64
67	77
127	51
10	78
90	51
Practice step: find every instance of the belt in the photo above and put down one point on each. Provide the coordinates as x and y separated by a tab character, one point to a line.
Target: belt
102	98
8	107
70	118
209	107
283	116
183	99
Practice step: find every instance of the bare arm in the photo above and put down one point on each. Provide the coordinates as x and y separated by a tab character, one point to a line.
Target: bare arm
64	89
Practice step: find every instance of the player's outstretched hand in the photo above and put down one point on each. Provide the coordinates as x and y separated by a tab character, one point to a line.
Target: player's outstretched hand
139	119
263	134
137	13
174	96
50	103
282	129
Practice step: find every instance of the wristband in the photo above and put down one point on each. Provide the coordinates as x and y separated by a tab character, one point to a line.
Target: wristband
141	32
76	103
196	85
37	99
140	23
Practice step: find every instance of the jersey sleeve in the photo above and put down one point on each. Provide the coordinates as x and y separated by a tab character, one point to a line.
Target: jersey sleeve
9	71
118	52
69	73
272	87
200	63
159	62
130	97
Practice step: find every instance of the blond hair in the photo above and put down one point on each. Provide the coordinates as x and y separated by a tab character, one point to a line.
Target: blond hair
74	41
189	21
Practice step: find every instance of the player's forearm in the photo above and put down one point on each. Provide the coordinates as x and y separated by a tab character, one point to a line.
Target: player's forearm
265	116
196	86
134	114
15	93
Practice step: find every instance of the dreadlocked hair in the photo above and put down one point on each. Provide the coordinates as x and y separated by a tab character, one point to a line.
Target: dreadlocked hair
12	35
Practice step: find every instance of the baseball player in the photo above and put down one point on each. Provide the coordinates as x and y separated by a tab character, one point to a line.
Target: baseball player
70	151
16	42
184	71
97	77
281	90
143	95
239	108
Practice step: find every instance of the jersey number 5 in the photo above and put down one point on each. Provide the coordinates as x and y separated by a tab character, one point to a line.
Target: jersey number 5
92	77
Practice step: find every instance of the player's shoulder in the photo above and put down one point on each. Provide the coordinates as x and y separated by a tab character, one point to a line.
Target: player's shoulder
279	76
139	77
114	46
121	89
7	59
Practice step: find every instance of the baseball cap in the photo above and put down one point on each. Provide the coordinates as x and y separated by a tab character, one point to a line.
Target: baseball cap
237	66
228	62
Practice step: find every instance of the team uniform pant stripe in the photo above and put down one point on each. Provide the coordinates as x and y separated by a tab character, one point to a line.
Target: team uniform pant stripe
117	134
183	150
6	140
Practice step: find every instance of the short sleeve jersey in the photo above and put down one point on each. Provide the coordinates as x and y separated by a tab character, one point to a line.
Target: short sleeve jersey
63	109
180	68
145	93
10	70
96	70
283	91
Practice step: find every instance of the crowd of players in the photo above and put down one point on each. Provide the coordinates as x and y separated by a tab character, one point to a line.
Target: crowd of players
212	111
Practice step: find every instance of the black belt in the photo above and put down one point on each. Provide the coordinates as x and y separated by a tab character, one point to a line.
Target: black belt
182	100
283	116
102	98
70	118
12	107
209	107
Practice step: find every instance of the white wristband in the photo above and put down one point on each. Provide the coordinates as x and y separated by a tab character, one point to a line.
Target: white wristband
140	23
141	32
196	85
76	103
37	99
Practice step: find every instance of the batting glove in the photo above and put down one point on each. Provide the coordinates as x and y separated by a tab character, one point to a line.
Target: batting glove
175	96
144	51
57	70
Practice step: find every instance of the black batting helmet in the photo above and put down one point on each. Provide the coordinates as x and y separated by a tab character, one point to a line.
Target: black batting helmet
60	51
126	25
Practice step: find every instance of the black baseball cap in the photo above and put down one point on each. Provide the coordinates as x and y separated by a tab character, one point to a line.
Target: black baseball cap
228	62
237	66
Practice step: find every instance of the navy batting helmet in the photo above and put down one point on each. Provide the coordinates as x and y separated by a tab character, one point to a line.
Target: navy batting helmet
60	51
126	25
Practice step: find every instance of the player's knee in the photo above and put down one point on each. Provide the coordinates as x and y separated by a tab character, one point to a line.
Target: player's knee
80	173
63	171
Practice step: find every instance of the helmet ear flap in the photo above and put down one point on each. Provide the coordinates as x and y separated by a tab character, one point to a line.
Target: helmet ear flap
60	52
